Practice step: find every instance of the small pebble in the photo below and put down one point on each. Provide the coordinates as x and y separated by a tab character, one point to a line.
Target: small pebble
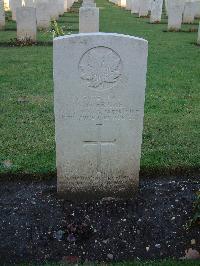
193	242
59	234
110	256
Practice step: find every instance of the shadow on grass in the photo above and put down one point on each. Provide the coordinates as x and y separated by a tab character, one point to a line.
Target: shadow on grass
191	173
10	29
157	23
40	43
67	21
196	44
72	30
182	31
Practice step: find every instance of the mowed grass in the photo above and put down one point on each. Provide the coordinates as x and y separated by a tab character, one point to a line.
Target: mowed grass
172	108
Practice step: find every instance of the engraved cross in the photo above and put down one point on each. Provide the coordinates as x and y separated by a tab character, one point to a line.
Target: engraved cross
99	142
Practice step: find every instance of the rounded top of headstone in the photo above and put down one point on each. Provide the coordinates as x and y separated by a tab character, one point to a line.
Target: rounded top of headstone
99	34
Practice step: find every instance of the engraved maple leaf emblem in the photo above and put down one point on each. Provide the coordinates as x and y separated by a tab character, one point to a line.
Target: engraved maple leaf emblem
100	65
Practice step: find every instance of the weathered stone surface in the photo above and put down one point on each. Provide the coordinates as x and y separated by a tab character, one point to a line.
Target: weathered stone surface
42	15
189	12
144	8
2	15
166	6
88	3
14	5
150	4
26	23
99	90
175	13
61	8
68	4
128	4
65	5
135	6
29	3
156	11
198	38
88	19
197	8
53	10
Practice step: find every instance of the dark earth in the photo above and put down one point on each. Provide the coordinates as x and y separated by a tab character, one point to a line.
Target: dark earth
37	226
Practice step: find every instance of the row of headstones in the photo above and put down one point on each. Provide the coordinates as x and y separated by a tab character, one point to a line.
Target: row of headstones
31	15
88	17
178	11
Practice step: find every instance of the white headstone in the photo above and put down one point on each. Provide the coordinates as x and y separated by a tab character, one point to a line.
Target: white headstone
135	6
150	4
197	9
166	6
2	15
175	13
189	12
66	5
29	3
69	3
53	10
156	11
14	5
198	38
88	3
61	8
99	91
26	23
144	8
128	4
42	15
88	19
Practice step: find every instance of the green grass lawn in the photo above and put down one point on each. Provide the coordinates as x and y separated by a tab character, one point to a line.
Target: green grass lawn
172	109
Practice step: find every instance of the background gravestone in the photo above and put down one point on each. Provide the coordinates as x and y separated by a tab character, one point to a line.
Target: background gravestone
197	9
26	23
2	15
53	10
42	15
135	6
198	38
88	19
189	12
14	5
156	11
30	3
175	13
128	4
144	8
99	83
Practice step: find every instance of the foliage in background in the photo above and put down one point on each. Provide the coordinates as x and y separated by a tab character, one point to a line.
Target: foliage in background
56	29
